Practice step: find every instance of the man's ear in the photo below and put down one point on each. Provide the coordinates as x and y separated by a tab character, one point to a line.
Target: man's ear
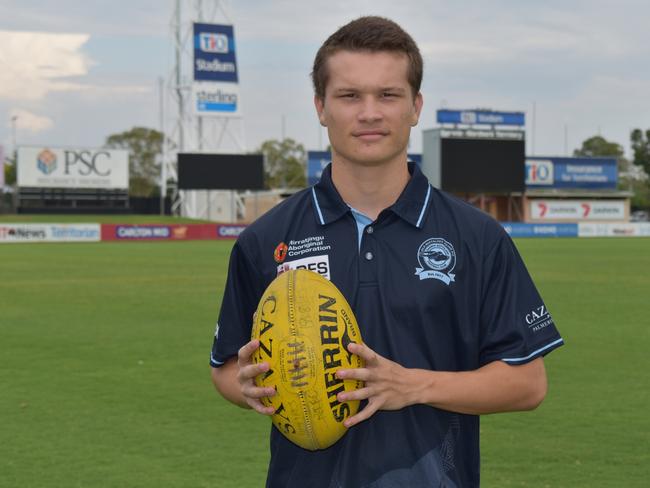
319	103
417	106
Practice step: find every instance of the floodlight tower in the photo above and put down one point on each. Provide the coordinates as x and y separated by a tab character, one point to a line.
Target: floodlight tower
193	130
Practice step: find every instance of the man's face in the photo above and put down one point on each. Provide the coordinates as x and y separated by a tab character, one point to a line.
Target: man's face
369	107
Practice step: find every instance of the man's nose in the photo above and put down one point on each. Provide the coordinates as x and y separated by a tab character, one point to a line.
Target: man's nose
369	111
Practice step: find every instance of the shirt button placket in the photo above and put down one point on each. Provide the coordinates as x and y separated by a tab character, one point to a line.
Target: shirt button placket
368	255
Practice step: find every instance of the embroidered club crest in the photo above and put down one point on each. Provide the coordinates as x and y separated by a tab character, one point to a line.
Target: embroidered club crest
437	259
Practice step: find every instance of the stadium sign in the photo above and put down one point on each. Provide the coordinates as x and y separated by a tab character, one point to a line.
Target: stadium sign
214	53
172	232
590	173
624	229
49	167
226	231
555	210
513	135
480	117
216	99
519	229
49	233
318	160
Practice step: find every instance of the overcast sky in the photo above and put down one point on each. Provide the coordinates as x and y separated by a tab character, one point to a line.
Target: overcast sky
72	72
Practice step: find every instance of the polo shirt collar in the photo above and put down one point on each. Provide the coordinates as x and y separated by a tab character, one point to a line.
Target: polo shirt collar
410	206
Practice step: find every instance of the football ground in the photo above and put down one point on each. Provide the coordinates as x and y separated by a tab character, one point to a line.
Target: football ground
104	377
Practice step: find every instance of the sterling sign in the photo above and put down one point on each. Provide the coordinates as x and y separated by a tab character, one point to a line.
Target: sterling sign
48	167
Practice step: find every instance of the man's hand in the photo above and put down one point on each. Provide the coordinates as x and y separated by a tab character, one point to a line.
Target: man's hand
246	374
388	385
235	380
495	387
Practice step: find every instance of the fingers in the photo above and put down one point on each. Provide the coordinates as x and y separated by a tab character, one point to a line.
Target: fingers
362	374
246	375
360	394
250	371
246	351
364	414
257	405
364	352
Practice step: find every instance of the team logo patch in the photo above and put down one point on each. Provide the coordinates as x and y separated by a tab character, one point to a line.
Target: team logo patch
437	260
280	252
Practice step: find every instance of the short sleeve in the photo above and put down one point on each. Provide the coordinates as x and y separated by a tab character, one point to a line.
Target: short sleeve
241	295
516	326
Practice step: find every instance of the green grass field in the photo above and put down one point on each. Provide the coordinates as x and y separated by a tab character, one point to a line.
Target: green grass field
104	378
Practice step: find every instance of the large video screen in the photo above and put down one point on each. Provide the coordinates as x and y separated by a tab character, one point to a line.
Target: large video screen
482	166
220	171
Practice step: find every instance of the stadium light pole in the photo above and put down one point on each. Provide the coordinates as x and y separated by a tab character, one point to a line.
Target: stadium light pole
163	155
13	130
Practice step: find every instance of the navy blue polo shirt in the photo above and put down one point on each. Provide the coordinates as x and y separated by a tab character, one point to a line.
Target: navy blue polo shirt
434	283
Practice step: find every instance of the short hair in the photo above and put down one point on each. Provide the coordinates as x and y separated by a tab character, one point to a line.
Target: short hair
371	34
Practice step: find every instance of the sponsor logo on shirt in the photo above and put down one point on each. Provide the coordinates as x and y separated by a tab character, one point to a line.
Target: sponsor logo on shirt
538	318
437	260
280	252
306	246
317	264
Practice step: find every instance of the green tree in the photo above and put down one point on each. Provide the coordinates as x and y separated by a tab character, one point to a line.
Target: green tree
598	146
284	163
10	171
145	149
641	148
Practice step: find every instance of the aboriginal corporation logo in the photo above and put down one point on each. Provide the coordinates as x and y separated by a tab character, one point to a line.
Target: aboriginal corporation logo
437	259
46	161
280	252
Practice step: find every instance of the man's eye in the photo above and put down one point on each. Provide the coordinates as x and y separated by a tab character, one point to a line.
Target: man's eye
389	95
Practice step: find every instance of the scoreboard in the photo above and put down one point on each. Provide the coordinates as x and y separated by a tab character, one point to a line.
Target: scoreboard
475	160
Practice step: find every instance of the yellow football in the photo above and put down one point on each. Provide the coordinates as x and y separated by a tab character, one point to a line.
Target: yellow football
304	325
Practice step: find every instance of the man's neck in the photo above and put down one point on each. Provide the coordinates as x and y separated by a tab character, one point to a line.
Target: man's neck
370	189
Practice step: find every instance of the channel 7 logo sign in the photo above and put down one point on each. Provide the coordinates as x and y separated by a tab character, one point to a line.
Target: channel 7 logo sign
212	42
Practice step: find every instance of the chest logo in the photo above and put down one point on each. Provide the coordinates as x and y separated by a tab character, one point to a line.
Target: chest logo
280	252
317	264
437	259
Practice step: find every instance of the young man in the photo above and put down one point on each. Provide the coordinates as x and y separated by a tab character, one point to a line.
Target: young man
453	326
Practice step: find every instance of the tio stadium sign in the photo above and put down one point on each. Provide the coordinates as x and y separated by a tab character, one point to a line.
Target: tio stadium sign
586	173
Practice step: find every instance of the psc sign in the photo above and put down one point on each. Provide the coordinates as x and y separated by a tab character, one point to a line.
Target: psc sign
88	162
539	172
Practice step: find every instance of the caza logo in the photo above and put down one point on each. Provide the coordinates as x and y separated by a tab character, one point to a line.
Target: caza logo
538	318
437	260
46	161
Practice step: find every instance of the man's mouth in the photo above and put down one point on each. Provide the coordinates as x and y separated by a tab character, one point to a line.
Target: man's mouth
370	135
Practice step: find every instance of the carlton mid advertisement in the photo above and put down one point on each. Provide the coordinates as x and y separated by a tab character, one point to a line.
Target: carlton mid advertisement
68	167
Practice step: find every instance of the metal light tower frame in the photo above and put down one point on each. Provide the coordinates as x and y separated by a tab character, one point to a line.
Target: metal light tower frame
189	132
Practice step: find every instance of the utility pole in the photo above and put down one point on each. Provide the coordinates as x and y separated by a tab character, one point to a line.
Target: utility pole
13	130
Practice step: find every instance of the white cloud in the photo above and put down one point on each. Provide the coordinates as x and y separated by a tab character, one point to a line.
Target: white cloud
25	120
33	64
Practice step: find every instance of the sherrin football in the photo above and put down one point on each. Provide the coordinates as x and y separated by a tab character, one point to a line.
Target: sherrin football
304	325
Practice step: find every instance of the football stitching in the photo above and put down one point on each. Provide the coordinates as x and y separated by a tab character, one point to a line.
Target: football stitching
292	325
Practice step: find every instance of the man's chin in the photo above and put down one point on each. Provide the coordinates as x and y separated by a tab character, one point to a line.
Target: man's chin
373	159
